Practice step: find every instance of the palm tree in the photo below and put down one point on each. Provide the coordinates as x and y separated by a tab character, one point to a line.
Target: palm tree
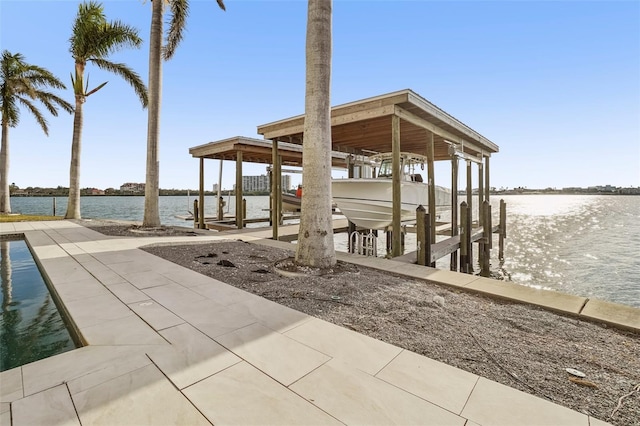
179	13
21	84
315	239
93	39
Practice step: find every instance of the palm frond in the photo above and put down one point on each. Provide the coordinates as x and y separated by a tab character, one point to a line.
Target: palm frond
36	113
51	100
21	84
127	74
221	5
177	24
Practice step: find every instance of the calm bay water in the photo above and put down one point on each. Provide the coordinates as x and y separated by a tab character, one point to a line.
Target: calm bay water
587	245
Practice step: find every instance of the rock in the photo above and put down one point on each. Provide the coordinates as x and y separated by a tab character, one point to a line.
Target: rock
226	263
439	300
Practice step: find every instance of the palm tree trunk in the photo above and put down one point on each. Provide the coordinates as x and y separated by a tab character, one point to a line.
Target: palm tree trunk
152	186
5	200
73	205
315	240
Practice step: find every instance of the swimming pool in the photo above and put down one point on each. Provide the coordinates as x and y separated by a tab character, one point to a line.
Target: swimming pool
31	326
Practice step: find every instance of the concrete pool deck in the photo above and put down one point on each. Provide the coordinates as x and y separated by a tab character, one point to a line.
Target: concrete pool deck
166	345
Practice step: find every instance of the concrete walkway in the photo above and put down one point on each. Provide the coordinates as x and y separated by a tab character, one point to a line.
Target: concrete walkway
166	345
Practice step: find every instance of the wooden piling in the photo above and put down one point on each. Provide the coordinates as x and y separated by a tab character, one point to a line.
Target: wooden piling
480	210
429	235
453	264
465	238
201	224
396	236
196	214
275	187
239	218
421	236
244	210
54	206
220	208
351	227
432	184
486	241
503	229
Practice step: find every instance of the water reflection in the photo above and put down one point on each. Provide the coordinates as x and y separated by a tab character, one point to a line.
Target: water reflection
31	327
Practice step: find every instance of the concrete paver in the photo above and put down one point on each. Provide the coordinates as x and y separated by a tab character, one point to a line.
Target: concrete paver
493	403
155	314
243	395
191	357
355	397
11	385
446	386
170	346
363	352
142	397
49	407
282	358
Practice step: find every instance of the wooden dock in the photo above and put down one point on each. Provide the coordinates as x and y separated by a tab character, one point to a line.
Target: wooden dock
285	232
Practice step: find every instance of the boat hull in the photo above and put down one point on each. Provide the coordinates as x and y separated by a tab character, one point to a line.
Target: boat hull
368	202
291	203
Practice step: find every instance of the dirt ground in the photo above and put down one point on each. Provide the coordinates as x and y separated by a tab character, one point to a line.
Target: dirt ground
518	345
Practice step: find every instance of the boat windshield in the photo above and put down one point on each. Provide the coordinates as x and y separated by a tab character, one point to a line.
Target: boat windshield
385	168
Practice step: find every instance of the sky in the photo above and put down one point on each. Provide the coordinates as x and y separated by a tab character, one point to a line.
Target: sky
555	84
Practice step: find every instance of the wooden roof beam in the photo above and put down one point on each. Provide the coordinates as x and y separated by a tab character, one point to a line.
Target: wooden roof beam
421	122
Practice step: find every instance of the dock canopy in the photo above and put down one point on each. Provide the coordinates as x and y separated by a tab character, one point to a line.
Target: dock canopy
258	151
364	126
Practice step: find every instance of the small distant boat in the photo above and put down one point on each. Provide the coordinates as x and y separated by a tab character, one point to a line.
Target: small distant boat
367	202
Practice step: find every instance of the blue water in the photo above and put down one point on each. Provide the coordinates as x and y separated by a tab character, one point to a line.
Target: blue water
587	245
31	327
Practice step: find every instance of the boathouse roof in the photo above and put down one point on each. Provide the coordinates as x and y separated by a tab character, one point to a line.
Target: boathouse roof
364	126
257	151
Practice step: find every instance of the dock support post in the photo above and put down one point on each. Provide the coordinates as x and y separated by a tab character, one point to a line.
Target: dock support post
480	209
486	240
453	265
54	206
220	208
432	188
429	234
239	218
196	214
420	235
275	206
396	235
244	209
465	238
503	229
351	227
469	217
201	196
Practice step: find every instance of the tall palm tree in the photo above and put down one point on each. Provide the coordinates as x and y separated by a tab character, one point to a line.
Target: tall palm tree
179	13
22	84
315	239
93	39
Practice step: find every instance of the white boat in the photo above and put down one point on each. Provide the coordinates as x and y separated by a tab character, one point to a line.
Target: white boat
290	203
367	202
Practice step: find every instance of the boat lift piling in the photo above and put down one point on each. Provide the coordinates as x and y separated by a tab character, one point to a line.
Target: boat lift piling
427	254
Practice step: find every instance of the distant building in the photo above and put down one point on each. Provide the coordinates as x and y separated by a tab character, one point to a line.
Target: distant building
132	188
92	191
262	184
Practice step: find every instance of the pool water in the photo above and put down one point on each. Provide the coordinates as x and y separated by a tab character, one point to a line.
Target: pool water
31	327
